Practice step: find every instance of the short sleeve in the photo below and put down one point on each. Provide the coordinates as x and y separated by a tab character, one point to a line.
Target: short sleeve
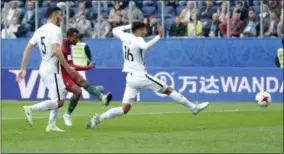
57	37
33	39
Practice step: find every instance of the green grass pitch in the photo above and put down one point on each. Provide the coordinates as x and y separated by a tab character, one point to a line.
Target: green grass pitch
149	127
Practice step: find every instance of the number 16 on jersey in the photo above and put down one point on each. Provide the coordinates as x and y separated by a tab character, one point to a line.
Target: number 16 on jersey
127	55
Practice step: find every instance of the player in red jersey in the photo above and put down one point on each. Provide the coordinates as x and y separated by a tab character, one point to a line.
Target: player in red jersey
74	84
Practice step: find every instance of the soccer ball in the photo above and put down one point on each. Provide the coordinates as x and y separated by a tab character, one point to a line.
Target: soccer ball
263	99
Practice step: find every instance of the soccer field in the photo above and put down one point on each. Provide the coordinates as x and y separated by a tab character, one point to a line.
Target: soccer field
149	127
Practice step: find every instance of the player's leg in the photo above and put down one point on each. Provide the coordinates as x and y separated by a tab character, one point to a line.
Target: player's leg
53	115
156	85
58	94
42	106
93	90
89	88
47	105
76	90
178	97
74	100
128	99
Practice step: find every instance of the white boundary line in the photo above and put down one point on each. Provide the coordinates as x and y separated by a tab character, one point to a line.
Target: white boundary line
145	113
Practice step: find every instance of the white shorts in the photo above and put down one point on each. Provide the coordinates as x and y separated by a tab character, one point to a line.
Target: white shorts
54	84
134	83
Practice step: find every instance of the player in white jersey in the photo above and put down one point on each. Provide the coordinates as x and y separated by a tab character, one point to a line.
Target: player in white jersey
48	38
137	78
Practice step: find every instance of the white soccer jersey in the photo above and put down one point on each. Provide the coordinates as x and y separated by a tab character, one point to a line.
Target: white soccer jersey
133	50
45	37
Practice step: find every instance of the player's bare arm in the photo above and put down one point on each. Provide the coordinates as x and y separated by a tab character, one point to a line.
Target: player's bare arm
26	55
63	62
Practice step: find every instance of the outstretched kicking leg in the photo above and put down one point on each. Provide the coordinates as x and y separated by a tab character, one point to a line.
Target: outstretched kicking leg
156	85
118	111
130	94
174	95
94	91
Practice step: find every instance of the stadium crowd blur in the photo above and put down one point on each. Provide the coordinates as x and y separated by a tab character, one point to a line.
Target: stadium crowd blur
182	18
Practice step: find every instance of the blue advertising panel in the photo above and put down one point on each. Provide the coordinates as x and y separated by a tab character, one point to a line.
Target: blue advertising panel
32	88
171	52
197	84
219	84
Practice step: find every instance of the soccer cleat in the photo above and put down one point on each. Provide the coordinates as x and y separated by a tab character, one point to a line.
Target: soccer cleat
28	112
53	128
94	121
106	99
199	107
67	119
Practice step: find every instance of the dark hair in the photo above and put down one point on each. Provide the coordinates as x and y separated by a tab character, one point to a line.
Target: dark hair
51	10
137	25
70	31
252	9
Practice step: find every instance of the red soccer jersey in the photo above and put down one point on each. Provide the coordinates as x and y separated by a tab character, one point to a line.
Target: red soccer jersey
66	49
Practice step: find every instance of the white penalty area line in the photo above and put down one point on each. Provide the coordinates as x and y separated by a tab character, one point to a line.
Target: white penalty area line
145	113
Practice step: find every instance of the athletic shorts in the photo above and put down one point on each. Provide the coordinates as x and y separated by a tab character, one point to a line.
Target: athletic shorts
135	82
54	84
69	82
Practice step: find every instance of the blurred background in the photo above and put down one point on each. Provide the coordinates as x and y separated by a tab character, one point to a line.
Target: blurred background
95	19
213	50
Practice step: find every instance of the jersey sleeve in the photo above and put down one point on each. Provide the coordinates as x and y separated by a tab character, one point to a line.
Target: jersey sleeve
79	68
88	52
146	45
33	39
119	31
57	37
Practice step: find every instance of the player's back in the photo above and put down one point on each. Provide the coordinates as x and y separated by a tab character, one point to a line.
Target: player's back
133	49
133	54
45	37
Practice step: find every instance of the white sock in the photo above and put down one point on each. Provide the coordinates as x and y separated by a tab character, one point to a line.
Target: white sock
45	105
181	99
53	114
111	113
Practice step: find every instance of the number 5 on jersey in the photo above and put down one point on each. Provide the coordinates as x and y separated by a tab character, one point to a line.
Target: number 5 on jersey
127	55
43	50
